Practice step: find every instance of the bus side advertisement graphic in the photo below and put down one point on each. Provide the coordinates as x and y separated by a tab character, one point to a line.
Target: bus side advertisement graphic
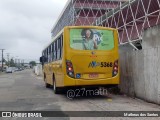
103	39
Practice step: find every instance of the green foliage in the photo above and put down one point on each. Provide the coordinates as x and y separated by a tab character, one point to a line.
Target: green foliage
12	63
32	63
4	60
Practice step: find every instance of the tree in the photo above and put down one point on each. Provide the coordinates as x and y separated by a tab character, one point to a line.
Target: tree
32	63
4	60
12	64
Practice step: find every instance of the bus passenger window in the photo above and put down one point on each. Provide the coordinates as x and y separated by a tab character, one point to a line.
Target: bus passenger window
61	50
55	52
52	52
58	48
45	54
49	55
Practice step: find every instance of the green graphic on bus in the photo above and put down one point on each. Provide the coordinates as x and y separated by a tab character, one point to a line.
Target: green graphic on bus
91	39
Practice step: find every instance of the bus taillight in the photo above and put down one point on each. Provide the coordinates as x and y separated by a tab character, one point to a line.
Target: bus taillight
70	71
115	68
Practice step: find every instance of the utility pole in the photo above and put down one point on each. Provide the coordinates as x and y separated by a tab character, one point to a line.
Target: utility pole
21	62
2	58
8	59
16	61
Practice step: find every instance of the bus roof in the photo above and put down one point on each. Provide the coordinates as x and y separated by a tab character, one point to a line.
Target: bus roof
74	27
91	27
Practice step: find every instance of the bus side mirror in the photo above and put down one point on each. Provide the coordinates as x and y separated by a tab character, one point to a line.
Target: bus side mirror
43	59
40	59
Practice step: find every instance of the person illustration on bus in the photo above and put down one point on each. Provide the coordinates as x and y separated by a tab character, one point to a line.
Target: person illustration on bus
89	43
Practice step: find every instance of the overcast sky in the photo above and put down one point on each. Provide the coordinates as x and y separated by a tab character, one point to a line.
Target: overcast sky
25	26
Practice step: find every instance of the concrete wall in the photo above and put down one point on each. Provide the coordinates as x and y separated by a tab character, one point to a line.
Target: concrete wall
140	70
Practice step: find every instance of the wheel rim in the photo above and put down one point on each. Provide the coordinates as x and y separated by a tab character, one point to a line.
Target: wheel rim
54	86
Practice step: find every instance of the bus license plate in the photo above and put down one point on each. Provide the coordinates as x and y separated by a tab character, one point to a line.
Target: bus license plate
93	75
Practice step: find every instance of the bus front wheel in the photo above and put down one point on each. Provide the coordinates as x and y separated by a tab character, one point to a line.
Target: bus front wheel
46	84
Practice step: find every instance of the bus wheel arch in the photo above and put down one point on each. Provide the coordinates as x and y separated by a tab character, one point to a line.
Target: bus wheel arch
45	80
53	77
44	77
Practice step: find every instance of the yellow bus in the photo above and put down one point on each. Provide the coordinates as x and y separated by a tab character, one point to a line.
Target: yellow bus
81	56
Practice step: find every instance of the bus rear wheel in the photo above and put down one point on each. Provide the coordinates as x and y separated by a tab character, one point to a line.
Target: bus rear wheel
56	89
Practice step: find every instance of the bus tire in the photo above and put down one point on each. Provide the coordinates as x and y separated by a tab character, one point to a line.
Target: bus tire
46	84
114	89
56	89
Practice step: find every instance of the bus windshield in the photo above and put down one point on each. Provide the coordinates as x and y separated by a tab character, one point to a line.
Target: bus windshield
91	39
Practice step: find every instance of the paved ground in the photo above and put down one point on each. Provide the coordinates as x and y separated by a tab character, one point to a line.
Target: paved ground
23	91
1	73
